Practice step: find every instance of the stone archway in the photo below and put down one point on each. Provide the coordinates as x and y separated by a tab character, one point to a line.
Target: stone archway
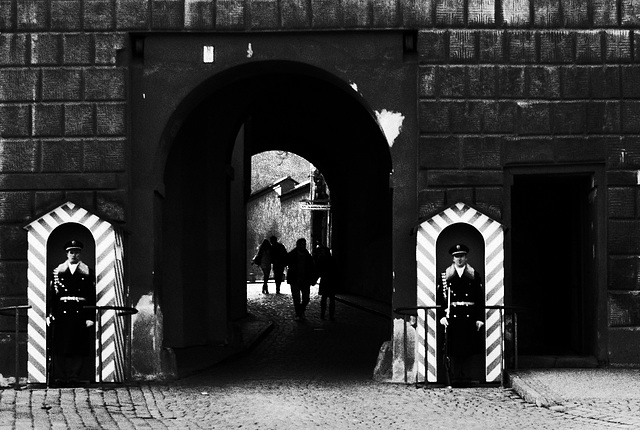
190	117
202	203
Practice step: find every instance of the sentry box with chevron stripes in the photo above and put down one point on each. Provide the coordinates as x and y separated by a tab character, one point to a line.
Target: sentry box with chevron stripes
424	358
104	251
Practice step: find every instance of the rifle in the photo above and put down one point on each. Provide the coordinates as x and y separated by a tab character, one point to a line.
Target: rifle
445	349
51	327
49	352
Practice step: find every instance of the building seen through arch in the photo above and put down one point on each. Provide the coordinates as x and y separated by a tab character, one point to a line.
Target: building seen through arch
286	208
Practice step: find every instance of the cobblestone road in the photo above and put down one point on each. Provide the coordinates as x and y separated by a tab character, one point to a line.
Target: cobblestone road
301	375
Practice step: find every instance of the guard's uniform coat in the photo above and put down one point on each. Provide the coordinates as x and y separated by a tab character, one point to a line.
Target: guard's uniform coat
466	307
69	294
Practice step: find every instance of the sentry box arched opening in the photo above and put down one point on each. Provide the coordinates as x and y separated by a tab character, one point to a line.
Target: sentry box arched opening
428	233
110	288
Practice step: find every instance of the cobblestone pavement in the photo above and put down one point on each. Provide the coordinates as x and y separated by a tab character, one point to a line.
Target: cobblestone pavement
607	394
301	375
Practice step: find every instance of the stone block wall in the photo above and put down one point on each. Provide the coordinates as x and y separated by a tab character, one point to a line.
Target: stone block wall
501	81
487	100
68	16
493	98
62	132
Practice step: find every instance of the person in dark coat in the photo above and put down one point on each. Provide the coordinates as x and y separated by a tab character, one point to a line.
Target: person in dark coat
300	276
461	297
278	260
263	259
73	287
326	270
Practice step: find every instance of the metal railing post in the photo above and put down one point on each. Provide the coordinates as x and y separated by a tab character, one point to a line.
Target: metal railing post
501	308
515	339
17	370
99	322
502	344
404	345
403	312
122	311
16	312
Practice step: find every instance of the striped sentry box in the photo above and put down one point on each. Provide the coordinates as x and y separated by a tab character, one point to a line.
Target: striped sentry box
109	290
427	237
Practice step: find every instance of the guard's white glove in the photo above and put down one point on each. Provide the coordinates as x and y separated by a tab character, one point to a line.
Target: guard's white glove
89	323
444	321
479	325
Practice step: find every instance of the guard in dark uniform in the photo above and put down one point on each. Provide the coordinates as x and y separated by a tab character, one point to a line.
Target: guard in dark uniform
461	297
72	288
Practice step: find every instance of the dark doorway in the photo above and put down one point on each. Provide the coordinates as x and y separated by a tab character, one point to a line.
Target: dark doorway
553	243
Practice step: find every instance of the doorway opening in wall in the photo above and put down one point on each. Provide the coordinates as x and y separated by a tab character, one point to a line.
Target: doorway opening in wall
554	267
289	199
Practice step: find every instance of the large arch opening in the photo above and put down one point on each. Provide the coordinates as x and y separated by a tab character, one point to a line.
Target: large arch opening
201	267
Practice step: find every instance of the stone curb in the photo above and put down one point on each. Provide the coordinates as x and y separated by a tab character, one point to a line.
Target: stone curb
532	395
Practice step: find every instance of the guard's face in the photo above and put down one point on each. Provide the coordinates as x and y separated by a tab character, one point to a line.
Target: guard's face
73	256
460	260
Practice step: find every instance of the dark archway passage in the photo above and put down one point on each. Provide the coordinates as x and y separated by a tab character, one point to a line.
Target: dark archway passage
274	106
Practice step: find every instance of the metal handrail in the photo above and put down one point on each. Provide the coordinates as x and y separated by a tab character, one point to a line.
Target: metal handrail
404	311
15	311
122	311
513	310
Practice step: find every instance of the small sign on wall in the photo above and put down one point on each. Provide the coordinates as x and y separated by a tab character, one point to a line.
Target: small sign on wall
314	206
208	54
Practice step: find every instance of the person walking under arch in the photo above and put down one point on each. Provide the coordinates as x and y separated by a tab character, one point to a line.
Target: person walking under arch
301	275
278	260
326	270
263	259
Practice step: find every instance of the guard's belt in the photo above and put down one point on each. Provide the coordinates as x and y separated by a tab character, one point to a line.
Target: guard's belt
463	303
72	299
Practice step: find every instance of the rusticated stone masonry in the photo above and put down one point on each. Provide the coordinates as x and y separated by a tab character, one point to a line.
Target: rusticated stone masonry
491	97
500	81
244	15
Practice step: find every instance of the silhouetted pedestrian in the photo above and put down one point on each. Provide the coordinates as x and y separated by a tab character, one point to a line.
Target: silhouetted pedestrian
326	270
300	276
278	260
263	259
